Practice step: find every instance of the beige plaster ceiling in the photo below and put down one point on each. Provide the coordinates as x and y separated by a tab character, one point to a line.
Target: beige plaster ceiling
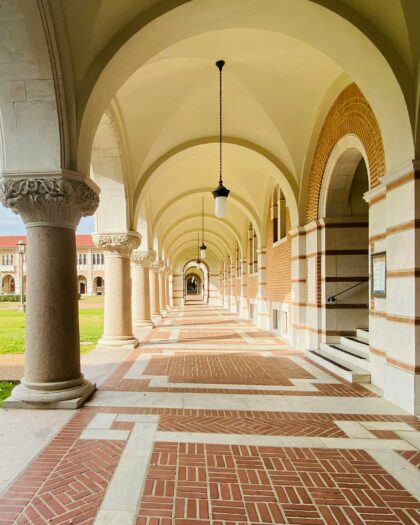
285	63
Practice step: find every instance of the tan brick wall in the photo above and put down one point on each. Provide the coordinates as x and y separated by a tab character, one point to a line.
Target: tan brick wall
278	265
252	286
350	113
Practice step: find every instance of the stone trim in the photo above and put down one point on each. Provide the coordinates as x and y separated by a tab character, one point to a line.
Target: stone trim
413	369
52	199
143	258
117	243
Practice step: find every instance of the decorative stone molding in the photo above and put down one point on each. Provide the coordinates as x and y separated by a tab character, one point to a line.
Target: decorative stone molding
143	258
155	267
117	243
49	199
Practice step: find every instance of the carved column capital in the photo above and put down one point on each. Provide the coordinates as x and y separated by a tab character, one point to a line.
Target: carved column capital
155	267
117	243
143	258
57	199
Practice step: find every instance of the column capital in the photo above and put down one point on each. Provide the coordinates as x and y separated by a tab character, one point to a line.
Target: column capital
58	199
143	258
155	267
118	243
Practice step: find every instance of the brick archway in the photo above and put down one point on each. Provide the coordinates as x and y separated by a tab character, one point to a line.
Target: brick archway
350	114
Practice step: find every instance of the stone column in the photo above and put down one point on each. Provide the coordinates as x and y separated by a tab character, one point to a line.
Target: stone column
141	261
154	291
243	298
118	330
51	206
167	289
162	290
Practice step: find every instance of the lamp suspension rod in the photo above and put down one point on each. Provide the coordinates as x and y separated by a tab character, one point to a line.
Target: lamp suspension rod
220	65
202	217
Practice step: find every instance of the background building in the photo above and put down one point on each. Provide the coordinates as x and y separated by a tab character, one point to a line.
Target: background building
90	266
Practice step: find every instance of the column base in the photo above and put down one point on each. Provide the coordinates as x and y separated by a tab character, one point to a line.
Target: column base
126	341
66	394
144	323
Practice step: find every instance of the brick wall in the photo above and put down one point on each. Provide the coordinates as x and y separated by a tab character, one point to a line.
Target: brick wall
251	286
350	113
278	265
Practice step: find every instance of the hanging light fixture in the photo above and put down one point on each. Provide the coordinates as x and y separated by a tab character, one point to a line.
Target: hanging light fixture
203	247
221	193
198	261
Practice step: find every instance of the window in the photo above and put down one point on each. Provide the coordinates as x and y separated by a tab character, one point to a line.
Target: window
102	258
252	250
275	214
275	319
93	258
278	214
238	261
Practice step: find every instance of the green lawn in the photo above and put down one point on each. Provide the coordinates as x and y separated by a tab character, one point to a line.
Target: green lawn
5	389
12	330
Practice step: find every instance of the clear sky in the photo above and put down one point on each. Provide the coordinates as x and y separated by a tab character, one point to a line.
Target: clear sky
11	224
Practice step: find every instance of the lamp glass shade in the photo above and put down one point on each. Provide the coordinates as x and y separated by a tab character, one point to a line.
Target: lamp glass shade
220	206
203	253
21	247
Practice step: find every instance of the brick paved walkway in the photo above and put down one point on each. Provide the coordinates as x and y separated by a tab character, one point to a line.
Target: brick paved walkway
11	367
214	422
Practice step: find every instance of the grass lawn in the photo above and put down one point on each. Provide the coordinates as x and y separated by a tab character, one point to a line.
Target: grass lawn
12	330
5	389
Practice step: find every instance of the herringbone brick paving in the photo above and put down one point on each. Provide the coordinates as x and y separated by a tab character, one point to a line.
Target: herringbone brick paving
199	484
209	484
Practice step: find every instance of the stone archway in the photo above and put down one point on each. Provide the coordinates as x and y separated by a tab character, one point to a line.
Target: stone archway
8	285
82	284
350	114
98	285
344	216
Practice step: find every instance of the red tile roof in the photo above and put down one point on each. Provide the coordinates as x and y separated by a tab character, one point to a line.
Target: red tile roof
10	241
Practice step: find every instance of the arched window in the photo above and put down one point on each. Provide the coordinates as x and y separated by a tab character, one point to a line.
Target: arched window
278	214
275	213
252	250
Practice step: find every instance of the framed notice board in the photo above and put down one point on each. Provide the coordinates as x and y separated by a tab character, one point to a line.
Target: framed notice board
379	274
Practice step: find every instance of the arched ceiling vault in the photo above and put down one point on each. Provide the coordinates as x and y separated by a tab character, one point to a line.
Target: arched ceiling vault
282	74
244	32
212	240
226	235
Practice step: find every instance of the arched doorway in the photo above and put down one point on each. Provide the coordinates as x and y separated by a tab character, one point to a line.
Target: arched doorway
8	285
196	282
98	285
193	284
82	283
344	271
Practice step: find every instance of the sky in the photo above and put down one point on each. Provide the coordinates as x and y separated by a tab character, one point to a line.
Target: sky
11	224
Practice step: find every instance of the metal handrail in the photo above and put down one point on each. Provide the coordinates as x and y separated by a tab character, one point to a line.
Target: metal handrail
332	298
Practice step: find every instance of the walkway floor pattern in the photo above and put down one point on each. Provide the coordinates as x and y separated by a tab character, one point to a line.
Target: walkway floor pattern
214	422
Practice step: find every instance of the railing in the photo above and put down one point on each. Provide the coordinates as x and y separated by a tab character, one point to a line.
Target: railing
332	298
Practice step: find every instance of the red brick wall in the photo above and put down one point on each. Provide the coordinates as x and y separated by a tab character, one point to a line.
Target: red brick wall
350	113
278	265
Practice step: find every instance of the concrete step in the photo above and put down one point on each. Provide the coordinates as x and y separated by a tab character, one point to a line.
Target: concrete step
358	344
363	333
353	357
341	368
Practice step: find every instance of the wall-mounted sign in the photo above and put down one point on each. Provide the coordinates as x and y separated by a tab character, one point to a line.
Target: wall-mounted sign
379	274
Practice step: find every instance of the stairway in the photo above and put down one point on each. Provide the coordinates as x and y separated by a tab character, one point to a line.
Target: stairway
348	359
